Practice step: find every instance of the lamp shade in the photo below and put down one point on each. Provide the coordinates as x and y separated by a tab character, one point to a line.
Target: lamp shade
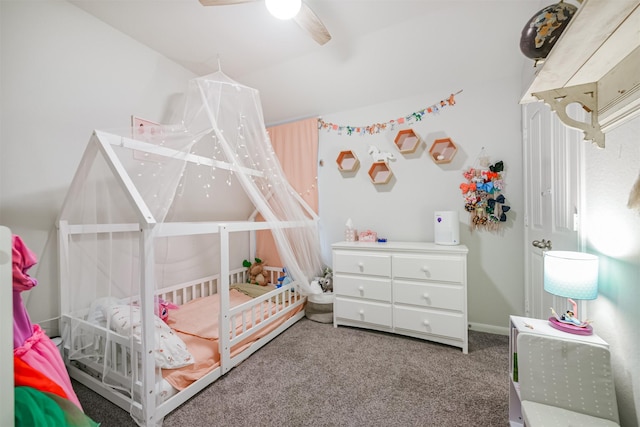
571	274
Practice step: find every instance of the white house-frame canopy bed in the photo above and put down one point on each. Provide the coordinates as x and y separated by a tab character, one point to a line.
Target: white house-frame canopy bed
154	299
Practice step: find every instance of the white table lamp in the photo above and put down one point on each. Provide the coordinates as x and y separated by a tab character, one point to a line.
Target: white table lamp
573	275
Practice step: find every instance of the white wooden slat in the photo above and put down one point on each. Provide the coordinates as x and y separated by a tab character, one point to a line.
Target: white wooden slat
127	361
130	190
180	155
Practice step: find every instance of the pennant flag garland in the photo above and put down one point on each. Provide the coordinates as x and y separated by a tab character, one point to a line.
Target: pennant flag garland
391	124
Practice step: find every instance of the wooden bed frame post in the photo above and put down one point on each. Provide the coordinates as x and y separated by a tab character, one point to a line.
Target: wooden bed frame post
225	328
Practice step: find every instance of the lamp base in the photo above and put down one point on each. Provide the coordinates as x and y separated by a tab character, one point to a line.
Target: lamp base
568	327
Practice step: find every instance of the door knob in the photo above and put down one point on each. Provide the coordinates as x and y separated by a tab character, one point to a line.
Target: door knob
542	244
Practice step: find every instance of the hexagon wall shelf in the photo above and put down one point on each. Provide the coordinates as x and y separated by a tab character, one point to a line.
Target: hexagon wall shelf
380	173
407	141
443	150
347	161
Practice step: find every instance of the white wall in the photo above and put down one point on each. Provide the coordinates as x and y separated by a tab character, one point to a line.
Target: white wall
64	74
68	74
613	233
486	115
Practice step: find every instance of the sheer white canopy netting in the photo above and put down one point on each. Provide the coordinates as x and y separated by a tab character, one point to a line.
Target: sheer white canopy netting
192	171
136	215
226	117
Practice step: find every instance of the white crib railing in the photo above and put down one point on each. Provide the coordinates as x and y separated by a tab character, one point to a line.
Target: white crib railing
114	361
185	292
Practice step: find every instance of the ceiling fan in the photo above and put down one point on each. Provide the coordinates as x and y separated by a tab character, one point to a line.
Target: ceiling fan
305	18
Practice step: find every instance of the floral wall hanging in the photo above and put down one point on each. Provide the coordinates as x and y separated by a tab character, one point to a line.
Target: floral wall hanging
483	198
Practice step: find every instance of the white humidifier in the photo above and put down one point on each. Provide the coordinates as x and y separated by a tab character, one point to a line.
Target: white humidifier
446	228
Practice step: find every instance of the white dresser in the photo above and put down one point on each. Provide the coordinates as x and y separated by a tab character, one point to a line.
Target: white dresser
409	288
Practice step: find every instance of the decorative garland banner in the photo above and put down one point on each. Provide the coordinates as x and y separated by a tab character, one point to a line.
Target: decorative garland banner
389	125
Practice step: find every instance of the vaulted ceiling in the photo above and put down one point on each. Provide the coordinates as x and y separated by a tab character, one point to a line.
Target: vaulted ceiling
380	50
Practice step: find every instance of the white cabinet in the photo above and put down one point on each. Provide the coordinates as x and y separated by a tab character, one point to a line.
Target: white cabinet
409	288
519	325
595	64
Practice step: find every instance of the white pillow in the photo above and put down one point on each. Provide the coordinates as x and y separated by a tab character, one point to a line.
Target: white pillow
170	352
99	307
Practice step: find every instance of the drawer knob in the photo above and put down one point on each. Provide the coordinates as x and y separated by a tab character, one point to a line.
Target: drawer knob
425	268
361	313
425	322
361	288
361	265
425	295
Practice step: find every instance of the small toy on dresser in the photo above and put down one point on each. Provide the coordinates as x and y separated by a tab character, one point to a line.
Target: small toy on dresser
255	271
368	236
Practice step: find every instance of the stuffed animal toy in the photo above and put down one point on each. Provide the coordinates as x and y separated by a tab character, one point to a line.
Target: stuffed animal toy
326	282
255	270
163	308
284	280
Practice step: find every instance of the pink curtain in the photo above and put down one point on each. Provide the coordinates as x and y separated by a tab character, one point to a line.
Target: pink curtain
296	145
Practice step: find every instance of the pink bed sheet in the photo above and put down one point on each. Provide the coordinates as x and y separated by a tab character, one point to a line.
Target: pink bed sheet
196	322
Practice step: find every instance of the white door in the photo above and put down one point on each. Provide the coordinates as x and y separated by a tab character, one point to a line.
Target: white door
553	175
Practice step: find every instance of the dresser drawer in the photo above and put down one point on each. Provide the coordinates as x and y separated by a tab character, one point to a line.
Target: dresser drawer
362	287
362	263
362	311
450	297
448	325
432	267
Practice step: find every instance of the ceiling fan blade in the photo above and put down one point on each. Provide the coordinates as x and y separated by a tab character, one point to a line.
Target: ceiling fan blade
308	20
223	2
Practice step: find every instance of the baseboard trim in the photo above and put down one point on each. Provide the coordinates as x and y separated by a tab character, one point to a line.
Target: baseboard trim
491	329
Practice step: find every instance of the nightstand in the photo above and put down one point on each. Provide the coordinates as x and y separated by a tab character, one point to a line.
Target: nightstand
518	325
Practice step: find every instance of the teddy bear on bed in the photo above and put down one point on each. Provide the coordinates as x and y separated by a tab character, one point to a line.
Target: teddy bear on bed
256	272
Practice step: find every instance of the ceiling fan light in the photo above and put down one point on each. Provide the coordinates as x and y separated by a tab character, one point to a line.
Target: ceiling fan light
283	9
